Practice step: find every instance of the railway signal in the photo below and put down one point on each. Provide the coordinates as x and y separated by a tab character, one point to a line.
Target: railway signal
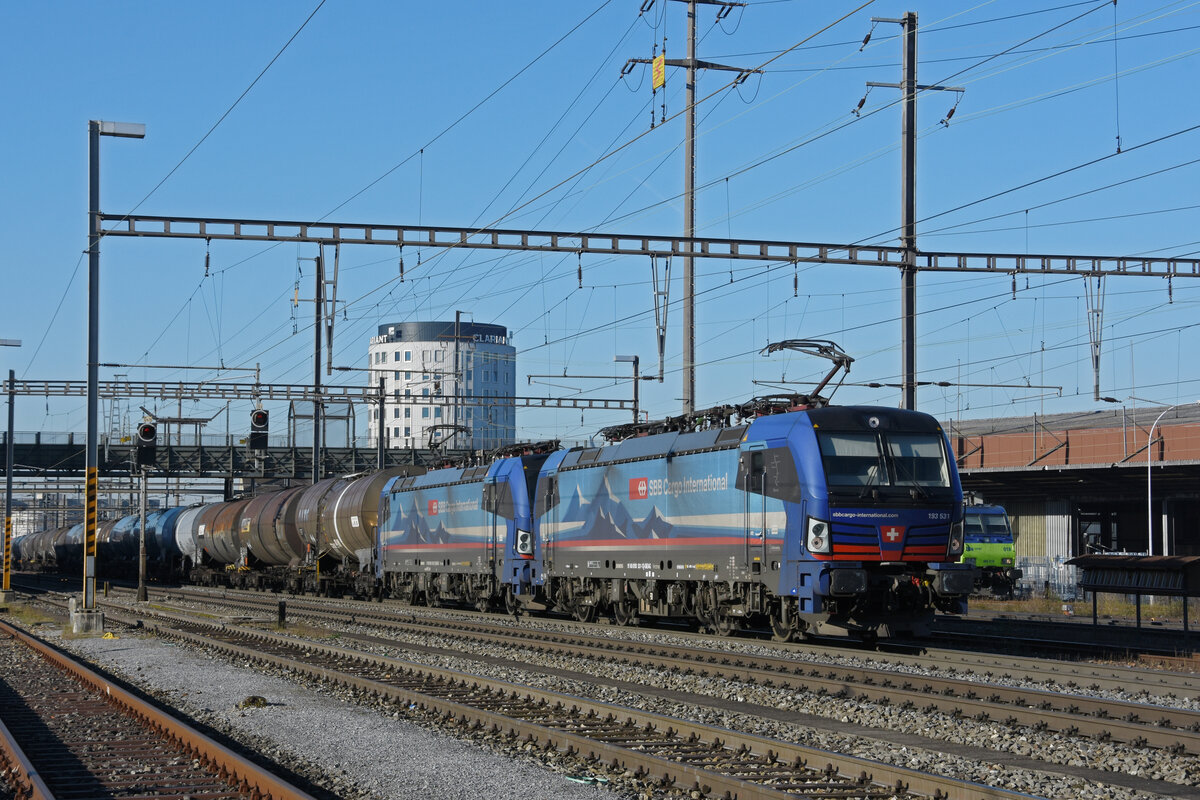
147	442
259	422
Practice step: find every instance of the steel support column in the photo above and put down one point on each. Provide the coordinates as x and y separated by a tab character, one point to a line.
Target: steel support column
908	238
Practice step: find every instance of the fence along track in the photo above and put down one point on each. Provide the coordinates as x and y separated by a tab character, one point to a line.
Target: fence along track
78	733
714	761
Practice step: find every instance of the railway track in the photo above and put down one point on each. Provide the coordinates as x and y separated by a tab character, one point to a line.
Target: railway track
1001	666
67	732
514	662
980	695
692	757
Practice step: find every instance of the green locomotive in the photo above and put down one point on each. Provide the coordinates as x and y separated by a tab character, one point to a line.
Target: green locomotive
989	548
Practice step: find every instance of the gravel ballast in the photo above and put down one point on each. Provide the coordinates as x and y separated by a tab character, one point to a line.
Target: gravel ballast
187	685
366	754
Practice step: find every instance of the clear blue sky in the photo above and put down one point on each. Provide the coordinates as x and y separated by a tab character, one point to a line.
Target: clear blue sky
512	103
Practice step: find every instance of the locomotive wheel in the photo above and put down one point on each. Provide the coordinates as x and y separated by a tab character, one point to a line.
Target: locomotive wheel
625	613
723	623
512	606
483	600
781	631
717	618
583	613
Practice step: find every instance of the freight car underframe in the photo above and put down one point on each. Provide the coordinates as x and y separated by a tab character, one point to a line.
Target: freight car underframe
328	578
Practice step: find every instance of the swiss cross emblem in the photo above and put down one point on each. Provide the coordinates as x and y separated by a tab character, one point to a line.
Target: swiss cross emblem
893	533
433	508
639	489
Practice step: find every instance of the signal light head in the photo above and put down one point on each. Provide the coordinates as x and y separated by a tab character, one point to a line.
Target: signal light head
147	432
259	418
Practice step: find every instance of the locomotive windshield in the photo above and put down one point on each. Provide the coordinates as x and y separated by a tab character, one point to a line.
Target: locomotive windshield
864	460
986	528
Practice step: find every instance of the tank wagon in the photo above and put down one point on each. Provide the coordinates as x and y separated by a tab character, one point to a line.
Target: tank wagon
117	545
318	538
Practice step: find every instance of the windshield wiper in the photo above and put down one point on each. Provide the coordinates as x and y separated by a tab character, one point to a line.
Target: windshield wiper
916	491
869	487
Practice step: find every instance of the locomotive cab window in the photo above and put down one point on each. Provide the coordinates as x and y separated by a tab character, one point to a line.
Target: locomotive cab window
874	460
852	459
770	472
498	499
918	460
992	529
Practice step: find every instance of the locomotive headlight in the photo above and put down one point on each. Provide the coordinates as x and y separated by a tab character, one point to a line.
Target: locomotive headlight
524	543
956	539
819	539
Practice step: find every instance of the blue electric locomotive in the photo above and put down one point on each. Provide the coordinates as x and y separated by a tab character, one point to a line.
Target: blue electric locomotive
833	521
462	535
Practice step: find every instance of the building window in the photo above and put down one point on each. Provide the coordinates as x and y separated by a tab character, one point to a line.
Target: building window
408	375
396	376
425	392
408	355
408	392
408	413
408	431
395	432
437	413
425	412
396	356
439	355
395	413
395	392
